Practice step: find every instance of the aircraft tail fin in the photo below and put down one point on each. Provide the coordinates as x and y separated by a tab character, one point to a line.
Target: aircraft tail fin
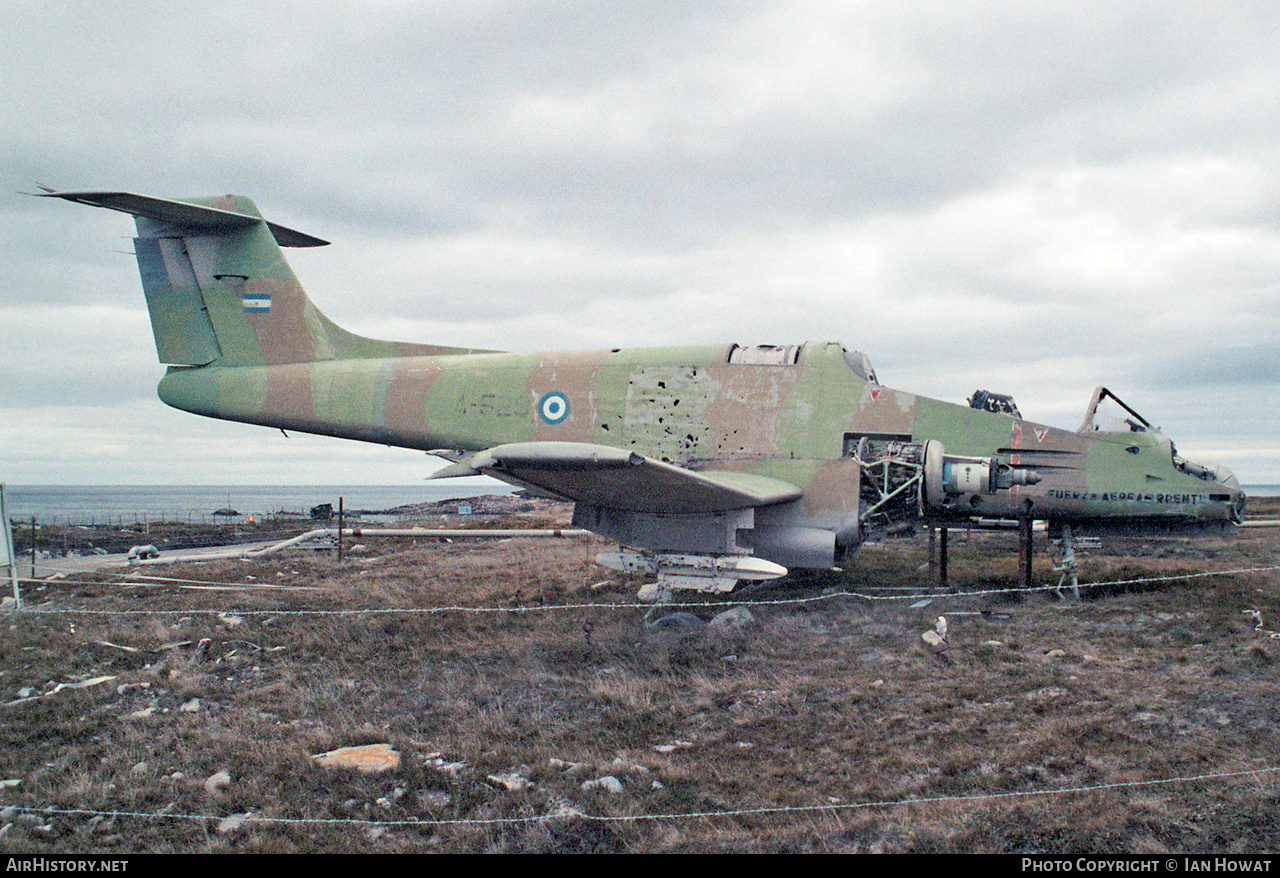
219	290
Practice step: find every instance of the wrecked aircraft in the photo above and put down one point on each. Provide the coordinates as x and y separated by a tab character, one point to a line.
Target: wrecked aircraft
714	463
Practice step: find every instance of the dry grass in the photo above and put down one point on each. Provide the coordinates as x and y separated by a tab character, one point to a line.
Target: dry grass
820	706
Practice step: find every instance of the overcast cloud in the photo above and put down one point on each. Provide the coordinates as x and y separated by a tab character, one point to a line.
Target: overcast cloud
1028	198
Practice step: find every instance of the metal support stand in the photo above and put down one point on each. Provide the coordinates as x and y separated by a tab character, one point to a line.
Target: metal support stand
933	553
1024	551
938	555
942	557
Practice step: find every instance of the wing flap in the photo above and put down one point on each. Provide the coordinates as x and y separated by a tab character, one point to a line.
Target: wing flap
616	479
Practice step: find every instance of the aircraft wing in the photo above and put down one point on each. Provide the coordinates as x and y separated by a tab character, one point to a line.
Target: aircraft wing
616	479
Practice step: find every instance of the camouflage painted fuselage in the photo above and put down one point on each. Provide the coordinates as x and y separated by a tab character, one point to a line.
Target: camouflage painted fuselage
689	406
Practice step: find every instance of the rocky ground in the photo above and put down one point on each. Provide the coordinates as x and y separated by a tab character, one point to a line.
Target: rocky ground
520	701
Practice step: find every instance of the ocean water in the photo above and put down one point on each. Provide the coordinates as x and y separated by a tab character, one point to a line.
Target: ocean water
84	504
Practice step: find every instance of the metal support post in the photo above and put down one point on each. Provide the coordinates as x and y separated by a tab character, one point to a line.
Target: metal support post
942	557
1024	551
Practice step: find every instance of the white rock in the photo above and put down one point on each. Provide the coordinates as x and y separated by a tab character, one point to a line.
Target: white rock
563	766
512	782
217	783
608	783
738	617
674	745
561	807
231	823
453	769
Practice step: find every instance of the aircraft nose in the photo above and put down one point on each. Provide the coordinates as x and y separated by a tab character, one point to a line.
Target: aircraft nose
1225	493
1228	480
1234	494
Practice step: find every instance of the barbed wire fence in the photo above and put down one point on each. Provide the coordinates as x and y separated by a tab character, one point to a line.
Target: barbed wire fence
938	596
575	814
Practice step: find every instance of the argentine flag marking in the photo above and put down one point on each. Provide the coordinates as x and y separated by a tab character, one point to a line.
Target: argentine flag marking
256	303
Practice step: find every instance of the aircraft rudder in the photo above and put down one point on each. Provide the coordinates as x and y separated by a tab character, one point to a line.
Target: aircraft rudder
184	333
220	291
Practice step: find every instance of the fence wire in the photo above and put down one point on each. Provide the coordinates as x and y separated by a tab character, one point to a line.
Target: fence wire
551	608
576	814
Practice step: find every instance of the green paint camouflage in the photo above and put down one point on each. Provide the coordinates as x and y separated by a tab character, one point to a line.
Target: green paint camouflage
245	343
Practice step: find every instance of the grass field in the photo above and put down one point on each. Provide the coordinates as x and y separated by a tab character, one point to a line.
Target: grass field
826	724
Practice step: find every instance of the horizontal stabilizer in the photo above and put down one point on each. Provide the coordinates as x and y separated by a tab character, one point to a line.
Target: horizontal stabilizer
616	479
184	214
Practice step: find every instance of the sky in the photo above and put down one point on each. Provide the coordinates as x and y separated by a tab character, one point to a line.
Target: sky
1029	198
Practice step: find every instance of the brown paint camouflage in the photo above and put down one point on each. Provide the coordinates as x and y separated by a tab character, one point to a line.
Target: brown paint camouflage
247	344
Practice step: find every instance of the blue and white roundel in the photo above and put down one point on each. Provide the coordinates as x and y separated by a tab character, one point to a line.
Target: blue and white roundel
554	407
